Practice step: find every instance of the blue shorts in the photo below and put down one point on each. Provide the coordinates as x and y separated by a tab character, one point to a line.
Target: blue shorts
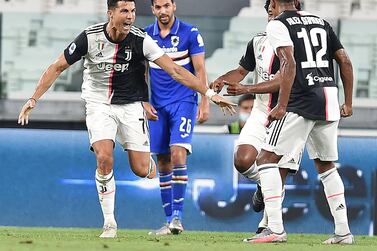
174	127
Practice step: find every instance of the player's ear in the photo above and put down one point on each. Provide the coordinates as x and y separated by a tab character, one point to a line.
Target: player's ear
110	14
273	4
174	7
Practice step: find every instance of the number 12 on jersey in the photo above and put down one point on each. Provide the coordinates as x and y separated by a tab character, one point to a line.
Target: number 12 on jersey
311	42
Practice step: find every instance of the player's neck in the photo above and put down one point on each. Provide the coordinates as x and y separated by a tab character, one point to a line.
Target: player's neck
166	28
114	34
286	7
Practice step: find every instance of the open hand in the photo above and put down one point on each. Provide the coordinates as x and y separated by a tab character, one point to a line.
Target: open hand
23	118
225	105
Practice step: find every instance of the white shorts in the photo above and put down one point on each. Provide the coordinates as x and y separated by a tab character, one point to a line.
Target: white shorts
126	124
254	133
293	131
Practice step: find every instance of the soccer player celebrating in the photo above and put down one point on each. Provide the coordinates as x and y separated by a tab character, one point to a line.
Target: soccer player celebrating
307	112
115	92
260	58
176	108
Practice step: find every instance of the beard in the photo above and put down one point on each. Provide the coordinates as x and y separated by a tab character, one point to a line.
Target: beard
165	19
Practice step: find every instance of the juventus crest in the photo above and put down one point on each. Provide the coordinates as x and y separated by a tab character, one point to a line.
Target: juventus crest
128	53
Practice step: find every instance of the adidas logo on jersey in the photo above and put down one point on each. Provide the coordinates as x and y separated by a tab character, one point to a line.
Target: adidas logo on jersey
340	207
99	55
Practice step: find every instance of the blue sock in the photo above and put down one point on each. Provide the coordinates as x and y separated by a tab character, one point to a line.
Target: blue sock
166	193
179	184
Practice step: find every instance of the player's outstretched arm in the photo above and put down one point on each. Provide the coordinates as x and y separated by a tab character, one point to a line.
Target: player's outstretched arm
288	74
346	73
45	82
186	78
232	76
198	61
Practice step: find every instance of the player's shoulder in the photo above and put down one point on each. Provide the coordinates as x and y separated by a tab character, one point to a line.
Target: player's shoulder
187	27
96	28
259	36
149	28
138	32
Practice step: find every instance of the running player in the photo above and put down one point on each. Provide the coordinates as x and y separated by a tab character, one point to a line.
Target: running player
176	108
260	58
307	112
114	90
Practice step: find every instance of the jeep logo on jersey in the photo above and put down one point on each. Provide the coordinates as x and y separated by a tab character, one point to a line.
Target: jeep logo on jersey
312	80
128	53
175	41
266	76
115	67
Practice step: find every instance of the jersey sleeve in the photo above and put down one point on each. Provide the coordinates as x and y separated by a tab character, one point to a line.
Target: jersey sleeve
77	49
151	50
278	35
334	41
196	42
248	59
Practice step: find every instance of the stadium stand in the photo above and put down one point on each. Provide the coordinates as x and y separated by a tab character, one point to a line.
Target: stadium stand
28	52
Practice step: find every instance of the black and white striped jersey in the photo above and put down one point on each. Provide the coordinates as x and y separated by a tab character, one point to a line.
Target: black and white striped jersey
260	58
114	72
314	92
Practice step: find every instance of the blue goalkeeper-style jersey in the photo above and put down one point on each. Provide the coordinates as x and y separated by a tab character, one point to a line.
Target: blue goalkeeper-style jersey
183	41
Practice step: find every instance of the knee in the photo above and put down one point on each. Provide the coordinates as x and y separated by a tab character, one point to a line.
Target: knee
323	166
105	162
141	168
243	162
178	157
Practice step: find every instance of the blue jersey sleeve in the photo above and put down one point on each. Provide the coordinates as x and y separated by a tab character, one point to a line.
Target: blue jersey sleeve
196	42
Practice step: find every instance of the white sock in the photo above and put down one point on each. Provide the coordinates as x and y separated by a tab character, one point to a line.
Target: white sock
106	193
252	174
272	190
334	191
264	222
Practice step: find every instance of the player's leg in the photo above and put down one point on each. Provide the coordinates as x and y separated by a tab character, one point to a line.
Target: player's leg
282	138
160	138
105	183
133	135
263	224
179	184
249	144
142	164
322	147
182	122
165	174
102	129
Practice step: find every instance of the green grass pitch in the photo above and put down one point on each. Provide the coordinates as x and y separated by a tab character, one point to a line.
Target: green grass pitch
54	239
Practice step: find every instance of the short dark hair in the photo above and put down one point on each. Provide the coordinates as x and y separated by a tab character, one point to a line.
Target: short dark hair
111	4
246	97
152	2
297	3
